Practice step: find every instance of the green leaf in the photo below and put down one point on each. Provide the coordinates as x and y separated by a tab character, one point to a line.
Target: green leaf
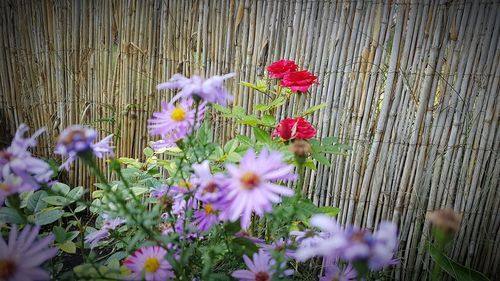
35	202
320	158
230	146
261	135
328	210
9	215
60	234
259	87
245	140
148	152
313	109
262	107
76	193
48	216
268	120
60	188
68	247
56	200
221	108
239	111
454	269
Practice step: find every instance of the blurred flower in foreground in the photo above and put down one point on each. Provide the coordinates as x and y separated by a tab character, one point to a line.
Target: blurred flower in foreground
149	263
108	224
280	68
174	122
446	219
76	140
250	188
19	170
22	255
353	244
210	188
260	268
206	217
294	128
299	81
210	90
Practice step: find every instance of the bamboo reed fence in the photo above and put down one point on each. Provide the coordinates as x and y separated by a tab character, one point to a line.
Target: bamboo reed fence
412	85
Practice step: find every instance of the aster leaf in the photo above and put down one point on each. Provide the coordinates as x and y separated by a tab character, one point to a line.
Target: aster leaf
35	202
9	215
60	188
48	216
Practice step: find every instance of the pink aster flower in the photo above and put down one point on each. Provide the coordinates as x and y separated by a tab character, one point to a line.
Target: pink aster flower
210	90
22	255
19	170
174	122
279	246
260	268
250	187
76	139
108	224
149	263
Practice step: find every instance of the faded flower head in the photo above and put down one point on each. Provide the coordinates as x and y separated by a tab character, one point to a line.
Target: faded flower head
22	255
174	122
300	148
76	139
19	170
210	90
149	263
250	185
446	219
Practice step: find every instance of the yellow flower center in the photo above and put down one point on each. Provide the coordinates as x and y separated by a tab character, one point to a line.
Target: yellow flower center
178	114
7	269
209	209
151	264
250	180
185	184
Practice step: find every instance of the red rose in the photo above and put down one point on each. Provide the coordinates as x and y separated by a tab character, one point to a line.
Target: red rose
299	80
280	68
294	128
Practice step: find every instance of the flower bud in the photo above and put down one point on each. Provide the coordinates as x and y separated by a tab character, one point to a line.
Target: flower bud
446	219
300	148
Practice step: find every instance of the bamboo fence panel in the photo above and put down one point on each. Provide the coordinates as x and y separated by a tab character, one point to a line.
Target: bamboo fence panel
411	85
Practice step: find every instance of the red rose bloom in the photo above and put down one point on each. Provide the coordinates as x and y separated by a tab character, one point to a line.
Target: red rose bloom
299	81
294	128
280	68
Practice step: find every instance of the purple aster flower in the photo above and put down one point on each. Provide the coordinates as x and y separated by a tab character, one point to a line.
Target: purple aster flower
250	188
19	170
22	255
335	272
279	246
77	139
260	268
205	217
149	263
210	188
211	90
108	224
174	122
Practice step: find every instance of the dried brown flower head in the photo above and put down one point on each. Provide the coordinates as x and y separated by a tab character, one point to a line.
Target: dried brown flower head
445	219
